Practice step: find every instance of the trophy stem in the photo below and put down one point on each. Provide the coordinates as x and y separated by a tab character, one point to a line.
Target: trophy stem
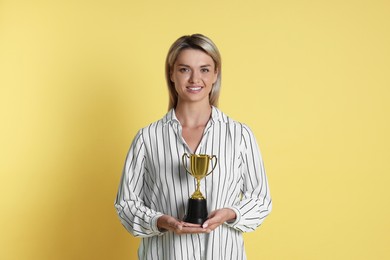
198	185
197	195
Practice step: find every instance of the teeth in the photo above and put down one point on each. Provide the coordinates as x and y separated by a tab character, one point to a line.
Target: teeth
195	89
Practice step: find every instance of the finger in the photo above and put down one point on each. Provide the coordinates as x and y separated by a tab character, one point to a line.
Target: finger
178	226
210	221
206	224
214	226
174	224
193	230
186	224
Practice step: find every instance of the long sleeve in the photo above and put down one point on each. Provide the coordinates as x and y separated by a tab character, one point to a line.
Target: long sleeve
256	201
137	218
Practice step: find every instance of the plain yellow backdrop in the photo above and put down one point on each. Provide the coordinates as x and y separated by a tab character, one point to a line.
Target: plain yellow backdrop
79	78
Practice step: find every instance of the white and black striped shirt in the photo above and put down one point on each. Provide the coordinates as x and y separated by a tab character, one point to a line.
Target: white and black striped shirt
154	182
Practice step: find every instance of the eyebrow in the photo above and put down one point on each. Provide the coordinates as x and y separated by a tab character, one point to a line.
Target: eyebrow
185	65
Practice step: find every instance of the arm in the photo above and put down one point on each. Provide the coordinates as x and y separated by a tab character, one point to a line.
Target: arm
135	216
256	201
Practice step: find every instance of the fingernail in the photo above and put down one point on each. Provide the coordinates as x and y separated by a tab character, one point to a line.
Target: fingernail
205	225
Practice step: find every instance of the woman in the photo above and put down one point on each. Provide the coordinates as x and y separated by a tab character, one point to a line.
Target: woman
154	189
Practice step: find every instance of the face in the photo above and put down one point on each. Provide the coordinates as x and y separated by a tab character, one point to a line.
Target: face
193	74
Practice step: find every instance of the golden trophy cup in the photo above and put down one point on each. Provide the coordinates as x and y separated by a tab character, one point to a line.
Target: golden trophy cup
197	206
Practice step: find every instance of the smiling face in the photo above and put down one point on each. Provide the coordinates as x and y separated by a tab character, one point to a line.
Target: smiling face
193	74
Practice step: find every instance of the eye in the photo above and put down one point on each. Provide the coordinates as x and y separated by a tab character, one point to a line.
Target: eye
205	70
183	70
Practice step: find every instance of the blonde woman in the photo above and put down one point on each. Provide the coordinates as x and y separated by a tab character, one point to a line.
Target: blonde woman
153	194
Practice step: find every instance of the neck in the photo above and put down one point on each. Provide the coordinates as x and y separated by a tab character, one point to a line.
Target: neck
193	115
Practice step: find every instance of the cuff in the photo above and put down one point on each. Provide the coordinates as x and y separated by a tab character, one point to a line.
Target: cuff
153	224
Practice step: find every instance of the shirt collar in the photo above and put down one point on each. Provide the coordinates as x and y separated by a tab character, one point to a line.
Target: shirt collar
216	115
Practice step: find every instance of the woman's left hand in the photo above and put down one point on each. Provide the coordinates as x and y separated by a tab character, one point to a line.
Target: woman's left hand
217	218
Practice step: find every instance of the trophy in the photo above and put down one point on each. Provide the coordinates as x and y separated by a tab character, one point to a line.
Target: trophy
197	206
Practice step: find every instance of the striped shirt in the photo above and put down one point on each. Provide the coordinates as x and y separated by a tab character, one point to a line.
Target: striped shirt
154	182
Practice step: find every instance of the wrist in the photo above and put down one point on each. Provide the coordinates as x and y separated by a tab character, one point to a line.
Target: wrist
161	220
237	216
231	215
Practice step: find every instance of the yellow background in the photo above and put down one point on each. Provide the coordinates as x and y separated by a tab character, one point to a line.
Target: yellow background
79	78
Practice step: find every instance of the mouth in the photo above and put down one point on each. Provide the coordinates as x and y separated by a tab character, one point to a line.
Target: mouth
194	88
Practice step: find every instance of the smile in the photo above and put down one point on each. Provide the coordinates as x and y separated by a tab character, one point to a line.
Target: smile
194	88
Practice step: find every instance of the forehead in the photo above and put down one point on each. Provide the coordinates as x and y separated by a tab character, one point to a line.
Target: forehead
193	57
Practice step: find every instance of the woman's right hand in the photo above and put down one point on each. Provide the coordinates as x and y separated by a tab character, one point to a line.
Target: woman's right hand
169	223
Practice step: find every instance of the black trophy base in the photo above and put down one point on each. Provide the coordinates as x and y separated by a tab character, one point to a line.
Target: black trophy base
197	211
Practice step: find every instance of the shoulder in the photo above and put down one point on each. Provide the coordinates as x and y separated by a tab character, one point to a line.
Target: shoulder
220	116
155	127
239	130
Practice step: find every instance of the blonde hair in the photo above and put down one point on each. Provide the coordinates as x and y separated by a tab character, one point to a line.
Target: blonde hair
198	42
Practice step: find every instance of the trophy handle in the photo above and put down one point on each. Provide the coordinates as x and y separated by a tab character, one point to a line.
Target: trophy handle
184	162
215	164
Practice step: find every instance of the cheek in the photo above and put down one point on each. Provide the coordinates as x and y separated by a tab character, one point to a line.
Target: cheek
212	79
179	78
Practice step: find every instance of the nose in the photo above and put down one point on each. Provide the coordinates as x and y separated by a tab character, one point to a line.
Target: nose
195	77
